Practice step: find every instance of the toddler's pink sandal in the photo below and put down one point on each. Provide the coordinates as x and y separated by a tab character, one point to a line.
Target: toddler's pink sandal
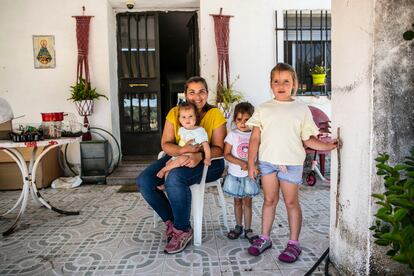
290	254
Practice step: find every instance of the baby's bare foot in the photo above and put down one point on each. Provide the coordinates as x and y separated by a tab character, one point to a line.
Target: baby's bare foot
161	187
161	174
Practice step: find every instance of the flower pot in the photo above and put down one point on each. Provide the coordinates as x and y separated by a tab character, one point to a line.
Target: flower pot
318	79
85	108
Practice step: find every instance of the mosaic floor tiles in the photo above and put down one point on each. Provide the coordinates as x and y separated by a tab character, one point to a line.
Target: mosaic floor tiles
114	235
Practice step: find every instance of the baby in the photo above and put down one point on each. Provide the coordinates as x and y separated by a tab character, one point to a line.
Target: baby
189	132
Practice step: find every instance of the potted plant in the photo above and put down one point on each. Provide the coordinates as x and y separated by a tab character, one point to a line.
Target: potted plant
318	73
226	97
83	96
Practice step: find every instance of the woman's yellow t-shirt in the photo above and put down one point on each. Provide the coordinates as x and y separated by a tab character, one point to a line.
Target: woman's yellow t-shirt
211	120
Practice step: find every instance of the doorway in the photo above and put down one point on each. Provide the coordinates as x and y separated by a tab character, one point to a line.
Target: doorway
157	52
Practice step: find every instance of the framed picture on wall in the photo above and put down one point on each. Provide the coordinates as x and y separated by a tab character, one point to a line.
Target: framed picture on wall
44	51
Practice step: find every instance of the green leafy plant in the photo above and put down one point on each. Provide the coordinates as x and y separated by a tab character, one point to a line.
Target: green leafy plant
319	69
409	35
394	226
82	91
227	96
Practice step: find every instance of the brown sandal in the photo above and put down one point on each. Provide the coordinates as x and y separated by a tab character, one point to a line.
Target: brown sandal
235	233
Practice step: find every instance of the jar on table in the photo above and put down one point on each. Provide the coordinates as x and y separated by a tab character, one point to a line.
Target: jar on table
52	125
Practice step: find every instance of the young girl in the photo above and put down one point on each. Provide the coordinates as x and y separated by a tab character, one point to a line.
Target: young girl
190	133
280	128
237	183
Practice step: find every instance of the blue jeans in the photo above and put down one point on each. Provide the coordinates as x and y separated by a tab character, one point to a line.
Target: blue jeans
177	207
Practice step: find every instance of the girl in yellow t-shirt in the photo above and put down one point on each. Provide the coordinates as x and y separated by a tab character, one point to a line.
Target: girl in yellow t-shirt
280	128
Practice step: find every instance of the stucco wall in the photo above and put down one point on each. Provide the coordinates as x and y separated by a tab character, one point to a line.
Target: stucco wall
372	84
393	101
31	91
252	51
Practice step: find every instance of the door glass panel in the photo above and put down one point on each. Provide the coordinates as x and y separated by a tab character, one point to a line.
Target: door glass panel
138	52
143	102
123	40
153	111
140	112
127	113
136	114
147	45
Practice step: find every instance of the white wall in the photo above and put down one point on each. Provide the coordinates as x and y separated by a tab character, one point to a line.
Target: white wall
352	108
32	91
252	42
372	103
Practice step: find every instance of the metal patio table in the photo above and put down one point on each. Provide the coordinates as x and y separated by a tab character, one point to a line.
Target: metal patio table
28	172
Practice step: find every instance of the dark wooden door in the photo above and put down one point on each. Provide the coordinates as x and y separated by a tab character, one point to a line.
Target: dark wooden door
139	83
193	55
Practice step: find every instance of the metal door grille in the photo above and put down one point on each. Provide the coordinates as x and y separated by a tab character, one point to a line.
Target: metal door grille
307	42
137	50
140	112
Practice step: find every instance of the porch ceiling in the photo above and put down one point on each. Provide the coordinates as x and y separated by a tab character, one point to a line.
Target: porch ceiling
157	4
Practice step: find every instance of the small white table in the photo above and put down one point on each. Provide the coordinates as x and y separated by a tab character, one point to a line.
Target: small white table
29	173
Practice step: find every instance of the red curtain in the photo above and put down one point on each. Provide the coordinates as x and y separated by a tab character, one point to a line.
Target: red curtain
82	36
221	30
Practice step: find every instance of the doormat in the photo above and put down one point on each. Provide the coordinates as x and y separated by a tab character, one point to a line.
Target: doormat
128	188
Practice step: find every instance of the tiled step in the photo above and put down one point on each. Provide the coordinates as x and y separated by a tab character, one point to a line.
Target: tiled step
127	171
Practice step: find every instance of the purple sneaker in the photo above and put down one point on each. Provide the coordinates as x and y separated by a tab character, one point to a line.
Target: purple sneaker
179	241
259	246
168	230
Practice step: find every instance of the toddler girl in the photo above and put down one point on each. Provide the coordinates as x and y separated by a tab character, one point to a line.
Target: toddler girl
191	134
280	128
237	183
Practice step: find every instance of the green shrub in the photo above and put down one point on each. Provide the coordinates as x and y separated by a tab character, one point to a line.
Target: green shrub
227	96
409	35
394	226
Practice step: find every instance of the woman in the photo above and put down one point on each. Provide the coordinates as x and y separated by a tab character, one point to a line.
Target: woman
176	209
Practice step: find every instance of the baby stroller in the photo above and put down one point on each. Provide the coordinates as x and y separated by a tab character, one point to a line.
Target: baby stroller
322	122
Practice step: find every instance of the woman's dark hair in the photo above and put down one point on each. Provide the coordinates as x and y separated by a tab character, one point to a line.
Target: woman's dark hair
189	106
195	79
198	79
243	107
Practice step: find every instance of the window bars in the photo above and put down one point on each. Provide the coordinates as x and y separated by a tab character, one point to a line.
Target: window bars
306	43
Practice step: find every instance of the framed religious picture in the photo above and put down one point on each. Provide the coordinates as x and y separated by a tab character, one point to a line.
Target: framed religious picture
44	51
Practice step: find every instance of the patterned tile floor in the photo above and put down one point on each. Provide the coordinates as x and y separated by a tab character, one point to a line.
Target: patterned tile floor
114	235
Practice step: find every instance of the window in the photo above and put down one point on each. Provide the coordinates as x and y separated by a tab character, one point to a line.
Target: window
306	37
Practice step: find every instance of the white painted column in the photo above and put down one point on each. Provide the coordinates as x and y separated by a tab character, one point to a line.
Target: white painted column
372	103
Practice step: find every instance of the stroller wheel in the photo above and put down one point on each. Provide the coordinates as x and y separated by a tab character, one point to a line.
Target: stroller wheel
311	179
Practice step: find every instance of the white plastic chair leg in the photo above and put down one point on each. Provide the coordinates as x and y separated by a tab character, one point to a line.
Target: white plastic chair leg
197	205
156	218
222	203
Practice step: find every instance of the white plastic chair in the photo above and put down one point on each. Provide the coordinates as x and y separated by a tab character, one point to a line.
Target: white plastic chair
197	203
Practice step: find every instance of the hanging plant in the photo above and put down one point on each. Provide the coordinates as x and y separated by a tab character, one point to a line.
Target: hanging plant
82	91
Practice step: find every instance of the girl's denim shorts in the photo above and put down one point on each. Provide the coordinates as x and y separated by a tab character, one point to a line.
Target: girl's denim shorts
240	187
293	174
